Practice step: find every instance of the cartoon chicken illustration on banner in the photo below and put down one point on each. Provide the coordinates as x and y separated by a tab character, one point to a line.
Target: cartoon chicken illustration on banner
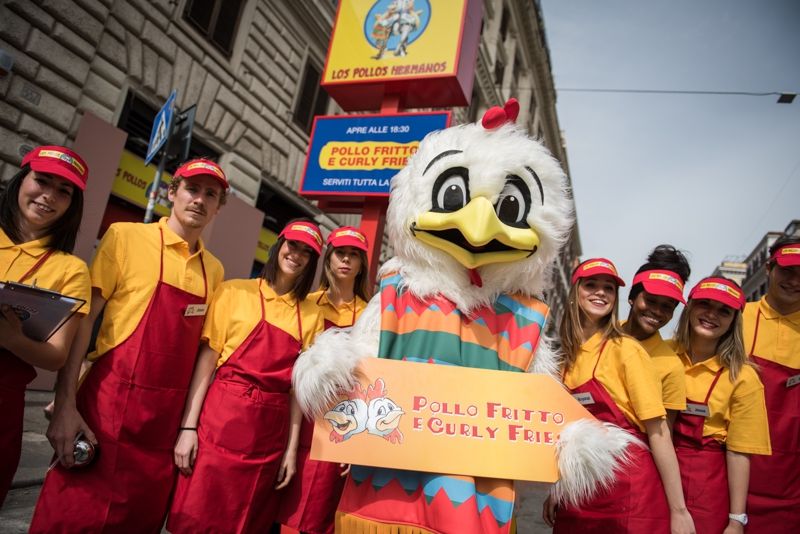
476	219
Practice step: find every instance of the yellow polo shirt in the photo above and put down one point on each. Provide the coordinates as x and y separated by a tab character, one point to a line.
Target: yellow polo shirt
737	411
342	316
626	372
235	312
669	371
778	335
61	272
126	267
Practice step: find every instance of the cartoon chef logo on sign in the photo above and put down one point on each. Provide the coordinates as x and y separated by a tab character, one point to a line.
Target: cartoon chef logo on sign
369	410
392	25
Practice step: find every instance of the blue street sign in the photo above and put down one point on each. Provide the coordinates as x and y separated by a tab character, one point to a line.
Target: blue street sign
161	126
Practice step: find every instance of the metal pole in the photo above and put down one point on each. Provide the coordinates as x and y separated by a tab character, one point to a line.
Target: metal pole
151	202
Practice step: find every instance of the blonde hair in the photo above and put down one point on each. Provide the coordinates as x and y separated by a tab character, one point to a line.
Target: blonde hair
730	347
571	332
361	286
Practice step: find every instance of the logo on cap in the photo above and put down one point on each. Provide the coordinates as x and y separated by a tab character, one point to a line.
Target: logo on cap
721	287
203	165
55	154
308	230
785	251
666	278
594	264
351	233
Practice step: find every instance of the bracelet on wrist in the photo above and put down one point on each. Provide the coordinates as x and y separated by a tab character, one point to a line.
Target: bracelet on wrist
192	428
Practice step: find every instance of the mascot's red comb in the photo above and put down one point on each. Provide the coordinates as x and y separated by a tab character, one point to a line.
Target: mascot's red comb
377	391
496	116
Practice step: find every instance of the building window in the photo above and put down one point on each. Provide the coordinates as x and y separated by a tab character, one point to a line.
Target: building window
515	79
217	25
313	100
504	20
499	66
474	105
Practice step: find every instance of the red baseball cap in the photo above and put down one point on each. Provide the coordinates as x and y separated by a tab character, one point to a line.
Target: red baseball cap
596	267
197	167
60	161
719	289
661	282
305	232
787	255
348	236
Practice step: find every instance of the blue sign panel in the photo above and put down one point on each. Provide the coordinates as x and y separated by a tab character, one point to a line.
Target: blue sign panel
161	126
357	155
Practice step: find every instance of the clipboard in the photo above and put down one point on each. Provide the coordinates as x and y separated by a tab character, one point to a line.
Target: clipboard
41	311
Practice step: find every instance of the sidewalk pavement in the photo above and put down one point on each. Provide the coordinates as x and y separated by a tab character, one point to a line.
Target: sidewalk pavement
37	454
36	451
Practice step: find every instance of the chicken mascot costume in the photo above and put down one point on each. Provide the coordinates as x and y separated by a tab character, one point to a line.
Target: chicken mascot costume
476	219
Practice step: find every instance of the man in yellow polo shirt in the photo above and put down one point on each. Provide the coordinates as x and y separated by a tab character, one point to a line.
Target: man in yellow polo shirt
153	282
772	340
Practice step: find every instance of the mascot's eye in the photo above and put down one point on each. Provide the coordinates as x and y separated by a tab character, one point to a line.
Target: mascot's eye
451	190
382	410
349	410
514	202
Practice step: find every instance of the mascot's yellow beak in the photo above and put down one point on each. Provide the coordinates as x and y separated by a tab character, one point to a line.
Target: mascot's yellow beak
474	235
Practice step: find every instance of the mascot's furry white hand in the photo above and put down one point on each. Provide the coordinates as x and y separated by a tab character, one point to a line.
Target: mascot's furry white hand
480	210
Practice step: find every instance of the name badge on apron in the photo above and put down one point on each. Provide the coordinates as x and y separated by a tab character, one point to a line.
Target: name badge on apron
696	409
793	381
584	398
195	310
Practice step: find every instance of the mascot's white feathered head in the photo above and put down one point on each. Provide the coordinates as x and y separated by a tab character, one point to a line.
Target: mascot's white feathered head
479	210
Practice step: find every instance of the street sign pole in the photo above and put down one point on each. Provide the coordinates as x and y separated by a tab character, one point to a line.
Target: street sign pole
151	201
159	137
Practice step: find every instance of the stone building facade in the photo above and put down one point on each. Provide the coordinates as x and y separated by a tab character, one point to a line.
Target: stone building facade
252	69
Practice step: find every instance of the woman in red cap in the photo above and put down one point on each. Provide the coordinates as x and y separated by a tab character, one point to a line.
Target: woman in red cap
239	433
308	504
656	291
40	213
725	420
613	377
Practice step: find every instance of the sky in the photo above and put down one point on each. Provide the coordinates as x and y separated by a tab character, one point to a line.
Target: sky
709	174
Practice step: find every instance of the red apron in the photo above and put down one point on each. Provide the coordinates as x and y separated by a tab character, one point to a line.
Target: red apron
704	473
773	501
133	399
243	430
636	502
15	374
308	504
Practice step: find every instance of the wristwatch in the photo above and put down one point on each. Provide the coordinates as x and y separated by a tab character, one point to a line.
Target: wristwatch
741	518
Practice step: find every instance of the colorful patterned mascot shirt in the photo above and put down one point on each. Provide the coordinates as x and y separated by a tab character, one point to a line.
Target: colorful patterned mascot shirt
501	337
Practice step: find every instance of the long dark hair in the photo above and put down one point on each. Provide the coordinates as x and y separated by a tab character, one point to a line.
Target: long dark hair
62	232
303	283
